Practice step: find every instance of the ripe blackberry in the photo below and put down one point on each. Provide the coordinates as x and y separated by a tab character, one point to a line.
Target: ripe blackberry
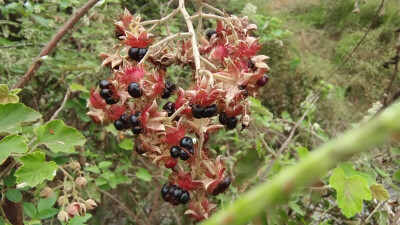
231	123
134	90
164	190
185	197
136	130
222	186
166	94
134	53
245	92
186	142
191	151
210	110
183	154
142	53
105	93
105	84
263	80
170	86
177	193
111	100
223	118
124	120
119	125
252	65
139	149
134	121
174	151
197	111
210	33
170	108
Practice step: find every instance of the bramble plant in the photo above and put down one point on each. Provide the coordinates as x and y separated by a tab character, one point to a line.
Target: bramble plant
225	71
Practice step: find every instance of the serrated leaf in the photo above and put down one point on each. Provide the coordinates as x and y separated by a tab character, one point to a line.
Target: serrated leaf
14	195
80	220
30	209
256	106
351	191
12	144
59	137
35	169
6	96
12	115
126	144
143	174
78	87
379	192
349	170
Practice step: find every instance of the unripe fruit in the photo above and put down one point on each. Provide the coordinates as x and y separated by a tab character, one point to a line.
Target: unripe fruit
263	81
171	163
46	193
90	204
80	182
63	216
62	200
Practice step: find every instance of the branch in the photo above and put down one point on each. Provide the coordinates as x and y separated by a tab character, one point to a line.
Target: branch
316	164
53	43
396	68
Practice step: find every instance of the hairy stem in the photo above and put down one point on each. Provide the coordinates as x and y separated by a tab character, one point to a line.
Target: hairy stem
316	164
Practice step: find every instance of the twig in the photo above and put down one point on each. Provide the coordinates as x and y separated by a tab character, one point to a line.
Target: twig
266	145
54	116
277	191
396	69
372	213
125	209
53	43
196	54
212	8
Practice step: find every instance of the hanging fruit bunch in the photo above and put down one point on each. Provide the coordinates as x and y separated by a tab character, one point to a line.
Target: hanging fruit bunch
225	70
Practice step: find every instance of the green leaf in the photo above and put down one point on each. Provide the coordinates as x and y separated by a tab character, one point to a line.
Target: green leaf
78	87
105	164
351	191
59	137
143	174
6	96
349	170
396	176
256	106
9	181
302	152
93	169
382	172
14	195
12	115
35	169
247	167
47	203
47	213
30	209
12	144
80	220
126	144
379	192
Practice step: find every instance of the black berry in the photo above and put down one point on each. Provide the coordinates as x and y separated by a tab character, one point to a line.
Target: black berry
119	125
174	151
166	94
183	154
170	108
222	186
186	142
111	100
170	86
139	149
137	130
177	193
164	190
210	110
223	118
191	151
134	90
263	81
134	121
231	123
105	93
142	53
184	197
105	84
197	111
210	33
134	53
252	65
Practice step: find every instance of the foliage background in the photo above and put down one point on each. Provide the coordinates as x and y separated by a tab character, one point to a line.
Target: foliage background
306	41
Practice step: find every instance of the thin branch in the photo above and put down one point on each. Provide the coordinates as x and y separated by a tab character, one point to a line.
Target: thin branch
271	193
53	43
125	209
396	69
54	116
373	212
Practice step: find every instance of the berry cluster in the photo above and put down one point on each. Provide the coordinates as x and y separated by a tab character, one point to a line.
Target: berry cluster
174	194
225	69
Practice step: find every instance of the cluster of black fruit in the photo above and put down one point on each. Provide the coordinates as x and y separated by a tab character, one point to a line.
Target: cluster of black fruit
182	151
169	88
222	186
210	33
174	194
106	92
137	54
170	108
229	122
199	111
132	122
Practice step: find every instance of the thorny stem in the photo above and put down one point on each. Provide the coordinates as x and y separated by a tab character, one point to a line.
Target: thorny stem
212	8
317	163
178	112
196	54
